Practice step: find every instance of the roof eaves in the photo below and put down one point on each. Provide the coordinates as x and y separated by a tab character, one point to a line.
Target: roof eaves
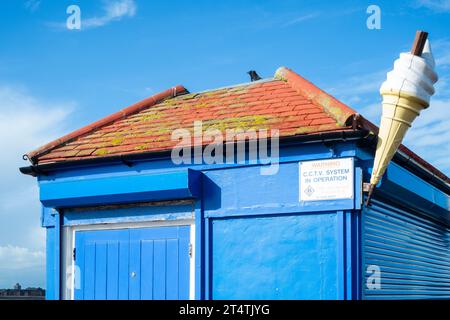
134	108
325	136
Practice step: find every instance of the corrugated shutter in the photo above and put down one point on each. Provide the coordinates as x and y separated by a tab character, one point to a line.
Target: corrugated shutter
411	251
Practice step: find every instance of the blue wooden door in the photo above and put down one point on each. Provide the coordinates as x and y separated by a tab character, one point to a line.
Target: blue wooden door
144	263
159	263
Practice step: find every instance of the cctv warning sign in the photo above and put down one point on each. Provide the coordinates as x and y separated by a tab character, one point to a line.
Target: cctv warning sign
326	179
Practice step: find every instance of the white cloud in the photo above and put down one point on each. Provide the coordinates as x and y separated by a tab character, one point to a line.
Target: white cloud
442	49
436	5
361	84
301	18
429	135
113	11
372	112
25	123
16	258
22	265
444	60
359	89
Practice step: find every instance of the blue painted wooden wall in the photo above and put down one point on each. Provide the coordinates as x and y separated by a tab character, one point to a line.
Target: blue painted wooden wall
275	257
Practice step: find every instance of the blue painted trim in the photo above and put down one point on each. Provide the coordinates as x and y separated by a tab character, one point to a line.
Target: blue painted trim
355	231
53	262
358	187
341	255
163	212
301	207
199	250
408	189
49	265
289	154
402	185
208	260
58	277
348	256
356	255
362	252
120	189
48	217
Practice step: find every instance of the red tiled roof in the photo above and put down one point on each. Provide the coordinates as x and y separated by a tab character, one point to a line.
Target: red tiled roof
286	102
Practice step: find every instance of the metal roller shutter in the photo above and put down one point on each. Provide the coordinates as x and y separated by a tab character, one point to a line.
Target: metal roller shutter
411	251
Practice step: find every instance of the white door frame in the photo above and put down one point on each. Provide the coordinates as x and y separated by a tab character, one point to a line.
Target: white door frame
68	244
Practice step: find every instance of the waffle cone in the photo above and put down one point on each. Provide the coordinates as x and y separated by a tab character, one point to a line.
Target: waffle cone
399	111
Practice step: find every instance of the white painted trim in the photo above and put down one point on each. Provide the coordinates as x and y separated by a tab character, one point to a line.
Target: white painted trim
68	244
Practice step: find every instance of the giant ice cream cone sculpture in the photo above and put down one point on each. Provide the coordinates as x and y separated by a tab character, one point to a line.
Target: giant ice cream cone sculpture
406	92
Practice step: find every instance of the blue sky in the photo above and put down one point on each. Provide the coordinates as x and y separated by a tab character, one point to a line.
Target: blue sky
54	80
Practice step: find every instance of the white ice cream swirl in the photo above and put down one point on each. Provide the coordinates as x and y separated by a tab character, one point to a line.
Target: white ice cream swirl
412	75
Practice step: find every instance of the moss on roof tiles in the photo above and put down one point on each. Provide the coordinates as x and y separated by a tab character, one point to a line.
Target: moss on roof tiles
101	152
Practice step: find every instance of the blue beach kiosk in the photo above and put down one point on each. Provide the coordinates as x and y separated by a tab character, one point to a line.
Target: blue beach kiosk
126	221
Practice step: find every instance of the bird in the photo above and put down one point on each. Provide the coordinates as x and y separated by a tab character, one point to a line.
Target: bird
254	76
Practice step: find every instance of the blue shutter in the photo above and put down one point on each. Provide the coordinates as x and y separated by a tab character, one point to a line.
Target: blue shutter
411	250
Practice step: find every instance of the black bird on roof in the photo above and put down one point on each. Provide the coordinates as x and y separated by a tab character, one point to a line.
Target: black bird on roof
254	76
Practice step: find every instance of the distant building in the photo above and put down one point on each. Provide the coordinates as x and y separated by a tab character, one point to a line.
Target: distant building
18	293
